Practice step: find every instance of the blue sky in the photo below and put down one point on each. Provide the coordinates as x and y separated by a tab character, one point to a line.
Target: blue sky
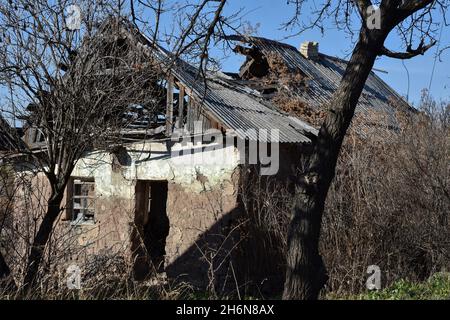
270	14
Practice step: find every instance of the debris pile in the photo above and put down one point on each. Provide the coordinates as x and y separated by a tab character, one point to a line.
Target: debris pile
296	106
269	74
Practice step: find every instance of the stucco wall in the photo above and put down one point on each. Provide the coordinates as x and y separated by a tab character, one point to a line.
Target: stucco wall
202	190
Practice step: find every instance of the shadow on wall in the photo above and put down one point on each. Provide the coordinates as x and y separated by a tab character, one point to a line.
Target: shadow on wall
244	249
228	259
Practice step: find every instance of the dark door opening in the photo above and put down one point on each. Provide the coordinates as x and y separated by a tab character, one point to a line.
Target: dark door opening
152	226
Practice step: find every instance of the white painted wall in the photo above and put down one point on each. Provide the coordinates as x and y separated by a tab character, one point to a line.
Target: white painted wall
153	161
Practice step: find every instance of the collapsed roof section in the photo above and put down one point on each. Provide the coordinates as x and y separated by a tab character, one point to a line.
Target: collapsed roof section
321	75
234	106
244	103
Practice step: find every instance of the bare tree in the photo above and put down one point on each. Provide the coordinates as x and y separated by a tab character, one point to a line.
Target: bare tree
414	21
76	87
77	81
4	269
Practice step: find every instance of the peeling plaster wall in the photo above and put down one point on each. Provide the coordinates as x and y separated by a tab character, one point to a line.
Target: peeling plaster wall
202	190
154	161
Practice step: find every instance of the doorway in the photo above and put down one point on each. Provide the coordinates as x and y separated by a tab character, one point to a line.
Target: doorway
151	228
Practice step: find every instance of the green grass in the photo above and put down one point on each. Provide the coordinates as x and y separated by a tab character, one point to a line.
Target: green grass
436	288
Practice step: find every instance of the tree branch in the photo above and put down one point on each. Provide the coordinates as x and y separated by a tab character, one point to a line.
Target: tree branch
414	5
409	7
410	53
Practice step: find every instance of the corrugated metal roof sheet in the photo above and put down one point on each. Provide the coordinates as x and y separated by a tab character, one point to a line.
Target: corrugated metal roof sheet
241	112
324	75
238	107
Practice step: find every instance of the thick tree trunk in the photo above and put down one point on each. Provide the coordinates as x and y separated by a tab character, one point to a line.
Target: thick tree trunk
306	273
4	269
7	283
40	241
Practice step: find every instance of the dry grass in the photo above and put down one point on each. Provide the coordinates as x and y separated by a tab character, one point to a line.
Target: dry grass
104	277
389	205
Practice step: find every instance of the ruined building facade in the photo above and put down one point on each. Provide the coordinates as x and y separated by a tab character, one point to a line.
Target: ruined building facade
171	199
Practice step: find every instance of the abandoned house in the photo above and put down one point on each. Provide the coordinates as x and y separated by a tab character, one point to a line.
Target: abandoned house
159	198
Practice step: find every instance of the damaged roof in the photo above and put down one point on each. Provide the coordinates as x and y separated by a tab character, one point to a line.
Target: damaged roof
7	140
238	107
324	75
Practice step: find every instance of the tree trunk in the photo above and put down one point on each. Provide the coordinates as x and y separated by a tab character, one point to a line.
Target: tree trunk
40	241
4	269
7	283
306	274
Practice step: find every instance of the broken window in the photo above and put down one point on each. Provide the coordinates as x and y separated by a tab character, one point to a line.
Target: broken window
81	198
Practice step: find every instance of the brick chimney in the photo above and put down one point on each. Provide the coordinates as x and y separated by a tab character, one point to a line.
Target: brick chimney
310	50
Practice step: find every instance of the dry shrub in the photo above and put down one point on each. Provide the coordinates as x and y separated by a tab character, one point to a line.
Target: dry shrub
289	82
297	107
104	276
259	260
389	203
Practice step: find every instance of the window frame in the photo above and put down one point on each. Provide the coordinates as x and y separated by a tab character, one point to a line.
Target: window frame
71	206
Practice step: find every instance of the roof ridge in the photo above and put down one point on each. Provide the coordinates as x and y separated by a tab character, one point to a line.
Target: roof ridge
253	39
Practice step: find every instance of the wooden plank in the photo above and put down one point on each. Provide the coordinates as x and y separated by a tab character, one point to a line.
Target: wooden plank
206	122
189	115
141	203
169	107
181	107
69	201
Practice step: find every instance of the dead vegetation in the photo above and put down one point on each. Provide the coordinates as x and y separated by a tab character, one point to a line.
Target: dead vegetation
259	259
290	83
103	277
389	206
296	106
268	73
